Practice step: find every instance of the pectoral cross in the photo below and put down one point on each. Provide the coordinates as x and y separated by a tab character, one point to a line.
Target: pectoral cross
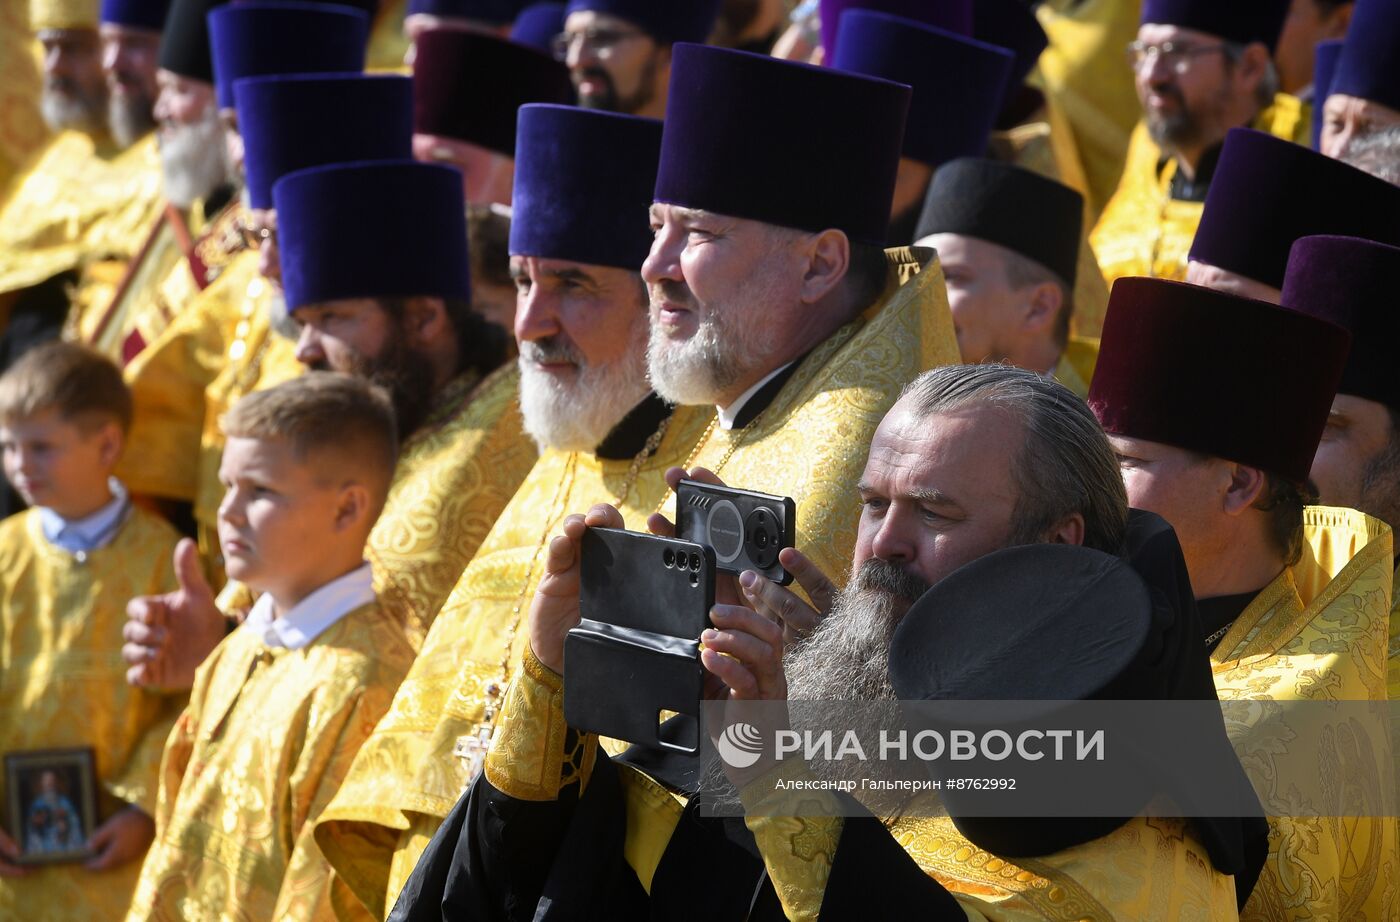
475	746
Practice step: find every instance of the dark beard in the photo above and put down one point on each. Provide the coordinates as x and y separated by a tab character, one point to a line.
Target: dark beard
610	101
403	373
1380	484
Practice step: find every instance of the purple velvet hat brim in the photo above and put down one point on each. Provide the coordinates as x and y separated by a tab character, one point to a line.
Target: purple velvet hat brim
943	123
1352	283
954	16
263	39
469	86
667	21
416	247
538	24
583	183
1217	374
1370	64
136	14
1266	193
294	122
1325	61
1240	21
788	144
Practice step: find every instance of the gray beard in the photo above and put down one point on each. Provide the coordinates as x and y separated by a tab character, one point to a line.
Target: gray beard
63	111
700	370
193	160
578	416
129	119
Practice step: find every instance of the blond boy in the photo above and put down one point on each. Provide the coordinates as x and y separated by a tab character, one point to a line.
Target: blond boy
66	565
281	706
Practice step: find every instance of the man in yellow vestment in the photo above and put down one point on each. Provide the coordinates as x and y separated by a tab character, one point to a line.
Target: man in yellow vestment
1201	68
1008	241
1294	599
582	185
1346	280
66	563
123	312
590	836
84	198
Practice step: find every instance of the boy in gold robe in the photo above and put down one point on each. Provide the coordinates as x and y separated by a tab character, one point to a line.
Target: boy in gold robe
65	565
1294	598
280	708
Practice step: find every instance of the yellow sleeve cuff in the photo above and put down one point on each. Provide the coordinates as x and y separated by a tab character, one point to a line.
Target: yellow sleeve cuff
527	760
797	827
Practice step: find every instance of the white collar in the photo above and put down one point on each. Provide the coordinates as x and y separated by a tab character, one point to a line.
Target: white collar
310	617
90	532
728	414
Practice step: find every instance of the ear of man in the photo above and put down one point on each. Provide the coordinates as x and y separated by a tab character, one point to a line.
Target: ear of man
827	259
1246	485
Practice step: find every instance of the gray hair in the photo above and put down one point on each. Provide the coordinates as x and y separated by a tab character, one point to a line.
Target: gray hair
1065	465
1376	152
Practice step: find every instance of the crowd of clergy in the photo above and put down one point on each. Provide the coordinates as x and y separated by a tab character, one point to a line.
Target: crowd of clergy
328	329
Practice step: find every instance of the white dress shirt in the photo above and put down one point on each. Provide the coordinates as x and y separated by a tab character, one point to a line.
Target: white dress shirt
82	536
310	617
728	414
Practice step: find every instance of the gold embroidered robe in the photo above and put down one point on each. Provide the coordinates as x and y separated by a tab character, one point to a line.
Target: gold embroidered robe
454	477
221	347
63	684
1149	870
265	742
1320	633
1393	664
1144	231
406	778
76	205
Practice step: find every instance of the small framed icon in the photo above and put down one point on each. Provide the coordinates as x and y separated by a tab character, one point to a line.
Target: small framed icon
51	803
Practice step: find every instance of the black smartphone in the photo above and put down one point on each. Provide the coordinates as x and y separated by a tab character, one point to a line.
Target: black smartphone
745	529
634	659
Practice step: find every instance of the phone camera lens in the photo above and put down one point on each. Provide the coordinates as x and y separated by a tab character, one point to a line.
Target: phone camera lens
695	562
668	557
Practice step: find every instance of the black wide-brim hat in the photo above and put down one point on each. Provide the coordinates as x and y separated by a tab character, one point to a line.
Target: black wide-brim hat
1214	373
1267	192
1353	283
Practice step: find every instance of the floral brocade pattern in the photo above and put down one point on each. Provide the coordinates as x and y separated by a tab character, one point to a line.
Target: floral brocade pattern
64	684
453	479
76	204
1320	633
406	778
266	740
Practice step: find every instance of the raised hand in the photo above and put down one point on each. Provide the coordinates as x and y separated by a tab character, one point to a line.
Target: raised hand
784	606
168	636
554	610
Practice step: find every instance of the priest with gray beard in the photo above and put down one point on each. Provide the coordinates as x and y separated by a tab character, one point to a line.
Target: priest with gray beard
970	461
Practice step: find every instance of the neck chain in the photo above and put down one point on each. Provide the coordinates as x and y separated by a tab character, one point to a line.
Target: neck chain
1218	634
474	747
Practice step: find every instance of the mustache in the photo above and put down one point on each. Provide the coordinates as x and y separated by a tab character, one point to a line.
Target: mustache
672	291
550	350
876	575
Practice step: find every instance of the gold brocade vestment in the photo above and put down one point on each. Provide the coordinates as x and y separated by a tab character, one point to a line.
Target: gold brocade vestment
1149	870
1319	632
63	684
265	742
75	205
1143	230
406	778
454	477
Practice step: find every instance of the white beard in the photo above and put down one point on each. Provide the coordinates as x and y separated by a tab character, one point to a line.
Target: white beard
129	119
702	369
193	160
578	415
